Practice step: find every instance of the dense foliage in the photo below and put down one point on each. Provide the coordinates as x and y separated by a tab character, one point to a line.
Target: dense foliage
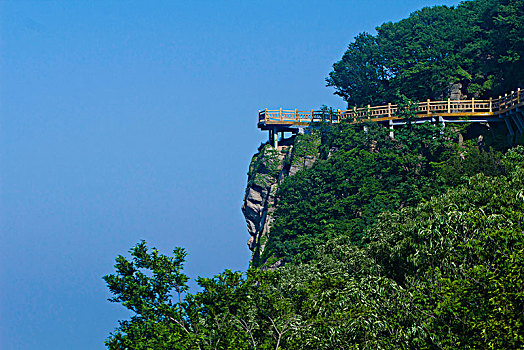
367	173
479	45
446	273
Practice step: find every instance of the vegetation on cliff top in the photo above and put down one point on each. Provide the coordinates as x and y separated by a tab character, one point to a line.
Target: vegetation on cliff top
265	166
446	273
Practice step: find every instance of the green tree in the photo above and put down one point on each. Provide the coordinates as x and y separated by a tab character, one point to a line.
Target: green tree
151	285
446	272
478	44
360	76
366	174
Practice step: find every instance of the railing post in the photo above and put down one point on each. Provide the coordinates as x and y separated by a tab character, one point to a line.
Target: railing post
311	121
449	105
389	110
518	95
511	98
472	105
265	115
280	113
339	116
428	106
296	115
491	105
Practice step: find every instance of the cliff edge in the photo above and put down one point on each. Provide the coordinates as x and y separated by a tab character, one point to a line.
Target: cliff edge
267	170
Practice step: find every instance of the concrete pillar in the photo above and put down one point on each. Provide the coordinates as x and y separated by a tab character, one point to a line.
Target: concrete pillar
519	116
510	130
518	123
275	138
391	130
442	124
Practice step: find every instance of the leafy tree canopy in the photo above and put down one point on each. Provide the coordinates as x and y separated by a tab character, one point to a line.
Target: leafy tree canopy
479	45
446	273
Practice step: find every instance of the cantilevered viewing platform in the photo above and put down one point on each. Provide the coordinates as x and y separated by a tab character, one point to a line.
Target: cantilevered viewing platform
507	109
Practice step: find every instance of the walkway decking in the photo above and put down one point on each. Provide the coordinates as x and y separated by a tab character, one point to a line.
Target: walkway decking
451	110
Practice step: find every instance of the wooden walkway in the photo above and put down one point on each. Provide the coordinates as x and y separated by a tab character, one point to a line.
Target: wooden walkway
448	111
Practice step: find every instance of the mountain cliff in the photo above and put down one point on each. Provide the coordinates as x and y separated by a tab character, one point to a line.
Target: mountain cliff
380	243
336	180
361	240
267	170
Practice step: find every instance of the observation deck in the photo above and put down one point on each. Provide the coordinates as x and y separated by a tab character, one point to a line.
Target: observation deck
507	109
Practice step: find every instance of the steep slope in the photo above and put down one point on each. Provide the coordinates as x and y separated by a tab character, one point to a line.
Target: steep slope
343	177
267	170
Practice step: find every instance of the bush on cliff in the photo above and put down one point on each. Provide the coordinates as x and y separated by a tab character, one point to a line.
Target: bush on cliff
367	173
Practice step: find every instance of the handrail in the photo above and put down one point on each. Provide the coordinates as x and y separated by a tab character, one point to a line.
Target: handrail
388	112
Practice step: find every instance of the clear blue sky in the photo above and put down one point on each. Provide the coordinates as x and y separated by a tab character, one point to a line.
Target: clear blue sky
130	120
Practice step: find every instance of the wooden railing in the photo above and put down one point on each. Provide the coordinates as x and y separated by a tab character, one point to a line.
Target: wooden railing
389	111
284	115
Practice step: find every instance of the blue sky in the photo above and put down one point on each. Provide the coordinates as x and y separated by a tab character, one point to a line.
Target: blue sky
130	120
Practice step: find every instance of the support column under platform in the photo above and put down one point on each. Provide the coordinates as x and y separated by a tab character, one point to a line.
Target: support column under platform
391	130
273	137
274	130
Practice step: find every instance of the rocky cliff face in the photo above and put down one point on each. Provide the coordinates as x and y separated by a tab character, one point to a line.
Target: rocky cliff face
267	170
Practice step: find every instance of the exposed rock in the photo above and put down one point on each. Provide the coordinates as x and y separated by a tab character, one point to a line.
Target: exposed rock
305	153
264	174
268	169
254	206
251	243
273	266
304	163
455	92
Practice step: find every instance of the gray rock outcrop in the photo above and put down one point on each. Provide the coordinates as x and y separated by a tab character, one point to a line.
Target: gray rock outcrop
267	170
